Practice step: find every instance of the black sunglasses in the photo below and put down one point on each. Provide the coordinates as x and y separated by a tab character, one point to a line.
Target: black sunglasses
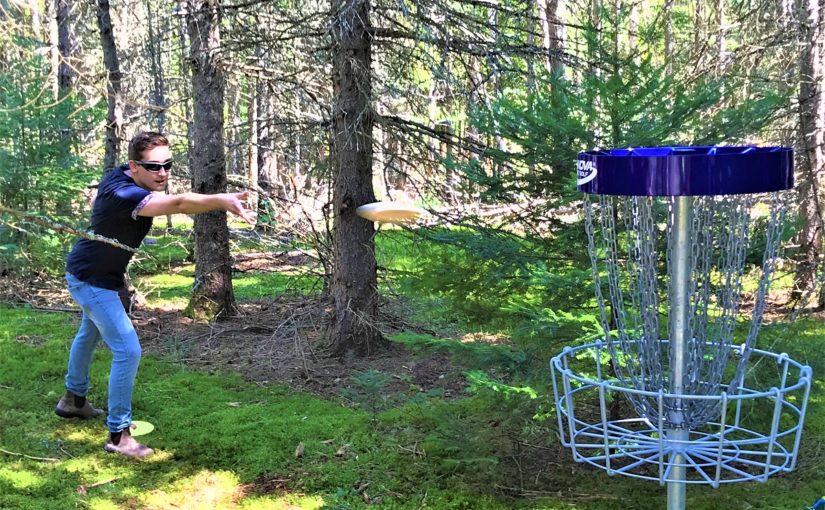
154	166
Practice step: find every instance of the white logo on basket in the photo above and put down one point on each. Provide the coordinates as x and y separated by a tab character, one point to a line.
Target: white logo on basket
585	172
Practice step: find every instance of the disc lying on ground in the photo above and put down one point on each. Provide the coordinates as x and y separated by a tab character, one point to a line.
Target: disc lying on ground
389	212
140	428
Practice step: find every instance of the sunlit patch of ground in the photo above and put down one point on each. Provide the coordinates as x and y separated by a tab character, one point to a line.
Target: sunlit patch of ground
221	490
487	338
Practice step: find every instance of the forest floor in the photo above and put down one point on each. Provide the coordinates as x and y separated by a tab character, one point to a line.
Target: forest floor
459	449
278	340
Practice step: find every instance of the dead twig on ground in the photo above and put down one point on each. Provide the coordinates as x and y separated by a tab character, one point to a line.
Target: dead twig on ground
83	489
45	459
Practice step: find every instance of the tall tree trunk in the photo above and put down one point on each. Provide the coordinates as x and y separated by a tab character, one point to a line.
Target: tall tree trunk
812	137
154	50
531	43
721	43
252	155
212	294
495	71
667	13
552	29
633	29
66	46
355	279
54	46
186	74
235	163
114	115
267	159
699	36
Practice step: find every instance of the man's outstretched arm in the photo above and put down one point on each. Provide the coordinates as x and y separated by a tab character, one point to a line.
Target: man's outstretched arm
194	203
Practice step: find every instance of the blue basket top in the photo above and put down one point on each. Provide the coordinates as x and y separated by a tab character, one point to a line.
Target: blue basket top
667	171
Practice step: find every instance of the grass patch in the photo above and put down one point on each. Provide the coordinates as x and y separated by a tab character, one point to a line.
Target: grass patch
174	288
226	443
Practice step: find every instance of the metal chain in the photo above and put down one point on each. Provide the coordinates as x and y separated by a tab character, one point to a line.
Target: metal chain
622	240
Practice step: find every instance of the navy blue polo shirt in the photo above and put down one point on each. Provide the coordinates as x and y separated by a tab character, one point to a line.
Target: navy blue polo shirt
114	215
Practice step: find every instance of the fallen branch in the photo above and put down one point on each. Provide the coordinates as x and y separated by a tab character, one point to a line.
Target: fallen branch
59	227
47	459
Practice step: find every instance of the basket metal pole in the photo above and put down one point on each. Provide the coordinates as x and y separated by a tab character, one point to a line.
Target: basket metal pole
679	323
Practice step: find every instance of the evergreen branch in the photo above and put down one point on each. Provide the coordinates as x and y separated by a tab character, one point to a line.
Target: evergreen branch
59	227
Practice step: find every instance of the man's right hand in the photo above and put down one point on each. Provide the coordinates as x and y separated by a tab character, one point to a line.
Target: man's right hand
235	205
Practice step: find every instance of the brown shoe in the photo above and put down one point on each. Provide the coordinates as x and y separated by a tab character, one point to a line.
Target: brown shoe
127	445
75	406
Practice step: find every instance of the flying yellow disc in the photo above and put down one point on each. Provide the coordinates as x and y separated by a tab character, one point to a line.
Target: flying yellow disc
389	212
140	428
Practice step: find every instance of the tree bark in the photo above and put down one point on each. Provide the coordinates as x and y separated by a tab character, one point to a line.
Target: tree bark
252	155
266	161
66	46
355	279
811	137
212	293
552	27
721	42
667	12
699	36
154	52
114	114
235	163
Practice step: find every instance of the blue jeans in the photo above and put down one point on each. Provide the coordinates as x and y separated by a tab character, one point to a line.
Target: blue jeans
104	317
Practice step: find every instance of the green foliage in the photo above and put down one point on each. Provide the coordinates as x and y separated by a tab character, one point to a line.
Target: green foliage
489	278
475	354
371	391
367	390
166	252
623	100
40	172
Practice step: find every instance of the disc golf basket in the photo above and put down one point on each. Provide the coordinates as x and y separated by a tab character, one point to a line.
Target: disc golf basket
671	232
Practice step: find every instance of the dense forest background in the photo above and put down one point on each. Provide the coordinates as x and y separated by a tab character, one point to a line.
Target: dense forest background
475	109
434	335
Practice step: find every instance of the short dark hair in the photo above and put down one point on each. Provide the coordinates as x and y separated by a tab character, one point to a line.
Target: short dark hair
144	141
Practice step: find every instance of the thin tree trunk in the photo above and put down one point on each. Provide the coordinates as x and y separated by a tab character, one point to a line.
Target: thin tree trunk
54	47
495	70
699	36
212	294
552	28
720	36
531	43
114	114
235	166
633	29
252	155
668	15
66	46
267	159
185	70
355	279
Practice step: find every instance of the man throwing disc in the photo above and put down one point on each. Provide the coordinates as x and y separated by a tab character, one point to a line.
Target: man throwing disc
123	210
